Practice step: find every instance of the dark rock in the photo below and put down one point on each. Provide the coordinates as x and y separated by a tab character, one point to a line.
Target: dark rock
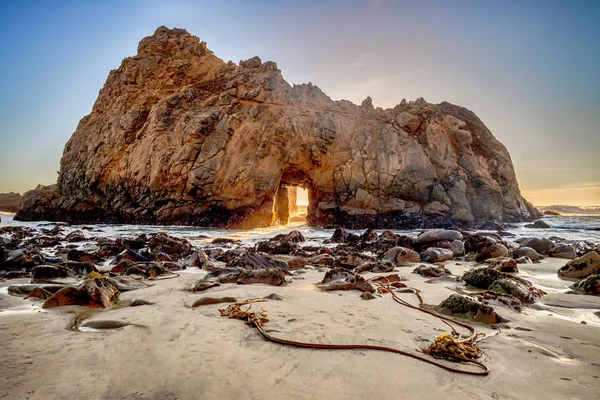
438	235
436	254
563	251
276	247
254	261
201	285
269	276
502	299
380	266
401	256
352	260
125	283
482	277
341	236
526	294
46	272
204	301
528	252
369	236
130	255
322	260
18	259
504	264
294	237
492	251
75	236
589	286
464	307
97	293
273	296
539	224
82	256
457	246
541	245
163	243
367	296
224	241
335	274
430	271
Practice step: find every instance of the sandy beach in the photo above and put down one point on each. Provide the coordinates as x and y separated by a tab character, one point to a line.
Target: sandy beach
184	353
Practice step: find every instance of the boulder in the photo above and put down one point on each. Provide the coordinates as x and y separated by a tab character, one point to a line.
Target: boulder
526	294
563	251
438	235
581	267
503	264
436	254
45	272
464	307
541	245
539	224
589	285
163	243
482	277
492	251
294	237
528	252
457	246
18	259
268	276
276	247
369	236
401	256
96	293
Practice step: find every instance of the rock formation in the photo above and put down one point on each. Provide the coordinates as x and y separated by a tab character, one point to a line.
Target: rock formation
10	202
178	136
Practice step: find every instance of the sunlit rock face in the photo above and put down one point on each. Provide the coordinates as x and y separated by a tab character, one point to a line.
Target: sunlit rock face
178	136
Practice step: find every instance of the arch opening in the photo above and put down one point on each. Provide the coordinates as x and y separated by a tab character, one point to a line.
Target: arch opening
292	200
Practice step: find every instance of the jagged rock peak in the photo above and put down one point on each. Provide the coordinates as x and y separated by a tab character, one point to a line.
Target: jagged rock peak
178	136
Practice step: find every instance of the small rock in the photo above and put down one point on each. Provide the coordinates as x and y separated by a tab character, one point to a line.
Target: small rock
367	296
539	224
438	235
524	251
140	302
273	296
401	256
204	301
589	286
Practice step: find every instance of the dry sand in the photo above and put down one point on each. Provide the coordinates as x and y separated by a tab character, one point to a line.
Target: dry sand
183	353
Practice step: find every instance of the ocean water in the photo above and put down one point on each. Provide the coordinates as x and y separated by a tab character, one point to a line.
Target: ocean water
569	228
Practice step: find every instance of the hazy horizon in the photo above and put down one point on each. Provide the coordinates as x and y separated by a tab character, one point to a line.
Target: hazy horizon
529	71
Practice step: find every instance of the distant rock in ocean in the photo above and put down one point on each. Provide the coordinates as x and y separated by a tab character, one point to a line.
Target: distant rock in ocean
10	202
178	136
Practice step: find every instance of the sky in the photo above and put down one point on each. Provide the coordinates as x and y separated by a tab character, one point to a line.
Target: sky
529	69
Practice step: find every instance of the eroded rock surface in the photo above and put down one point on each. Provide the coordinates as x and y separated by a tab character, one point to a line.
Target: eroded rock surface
178	136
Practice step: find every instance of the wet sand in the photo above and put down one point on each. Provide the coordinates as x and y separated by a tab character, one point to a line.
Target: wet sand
184	353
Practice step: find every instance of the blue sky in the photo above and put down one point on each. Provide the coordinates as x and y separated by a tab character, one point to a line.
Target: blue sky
529	69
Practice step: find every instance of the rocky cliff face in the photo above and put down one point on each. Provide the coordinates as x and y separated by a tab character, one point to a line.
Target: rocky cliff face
177	136
10	202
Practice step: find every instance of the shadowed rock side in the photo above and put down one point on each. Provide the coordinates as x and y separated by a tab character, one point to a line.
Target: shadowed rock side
177	136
